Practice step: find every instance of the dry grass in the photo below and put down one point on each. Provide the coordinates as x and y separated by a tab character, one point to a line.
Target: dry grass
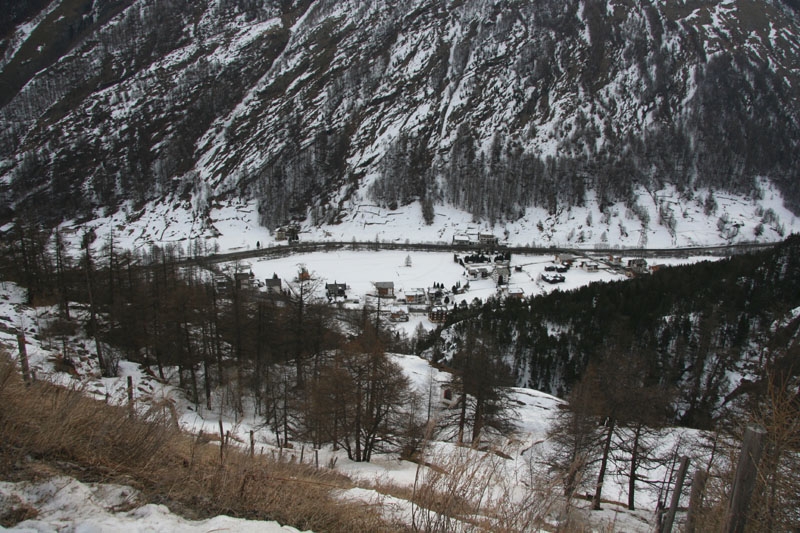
472	491
45	430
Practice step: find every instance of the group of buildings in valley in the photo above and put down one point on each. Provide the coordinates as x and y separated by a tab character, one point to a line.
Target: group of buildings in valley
437	301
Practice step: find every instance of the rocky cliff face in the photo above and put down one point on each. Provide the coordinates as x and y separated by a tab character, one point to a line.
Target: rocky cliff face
491	106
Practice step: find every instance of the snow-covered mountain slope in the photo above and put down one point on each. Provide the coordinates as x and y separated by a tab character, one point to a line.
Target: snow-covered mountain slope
313	109
657	219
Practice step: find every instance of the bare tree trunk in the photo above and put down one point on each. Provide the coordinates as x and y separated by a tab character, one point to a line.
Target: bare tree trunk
111	263
190	361
598	491
634	465
259	370
285	411
217	339
357	429
101	360
157	337
462	419
669	519
299	336
206	368
477	425
93	310
62	284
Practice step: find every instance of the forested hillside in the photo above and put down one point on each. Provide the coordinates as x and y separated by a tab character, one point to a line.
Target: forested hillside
715	332
307	106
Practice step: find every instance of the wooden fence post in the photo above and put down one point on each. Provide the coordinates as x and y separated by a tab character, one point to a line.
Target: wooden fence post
745	480
23	357
130	395
221	440
696	499
252	444
669	519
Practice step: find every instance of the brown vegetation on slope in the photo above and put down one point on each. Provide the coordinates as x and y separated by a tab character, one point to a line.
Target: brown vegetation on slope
47	430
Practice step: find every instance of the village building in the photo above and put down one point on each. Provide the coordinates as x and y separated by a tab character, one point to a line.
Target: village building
482	238
487	239
437	314
287	233
416	297
335	290
590	266
565	259
273	285
398	314
222	283
462	240
435	294
243	280
384	289
516	293
478	271
637	266
501	273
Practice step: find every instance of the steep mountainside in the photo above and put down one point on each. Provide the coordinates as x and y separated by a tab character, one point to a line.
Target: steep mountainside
491	106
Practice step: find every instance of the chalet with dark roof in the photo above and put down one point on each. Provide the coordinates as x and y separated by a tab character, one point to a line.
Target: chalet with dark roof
273	285
243	280
384	289
335	290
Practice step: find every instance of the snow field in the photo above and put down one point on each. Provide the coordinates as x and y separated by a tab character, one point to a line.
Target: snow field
234	226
